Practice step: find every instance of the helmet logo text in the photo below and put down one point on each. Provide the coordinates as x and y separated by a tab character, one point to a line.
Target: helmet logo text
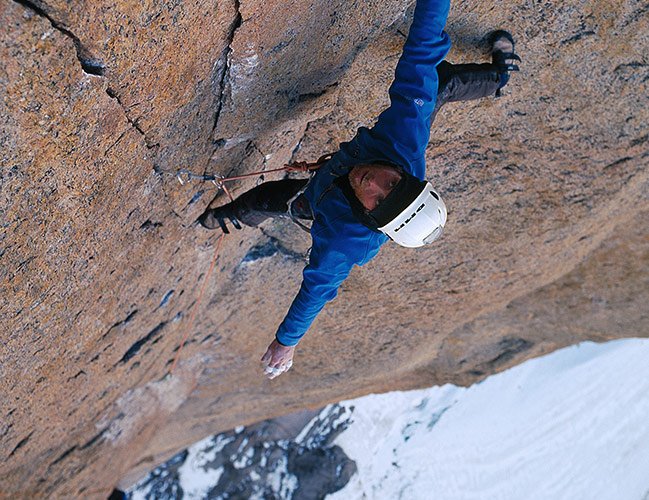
411	217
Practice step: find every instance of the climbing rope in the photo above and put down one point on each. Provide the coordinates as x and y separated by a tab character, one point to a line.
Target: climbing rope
184	176
197	302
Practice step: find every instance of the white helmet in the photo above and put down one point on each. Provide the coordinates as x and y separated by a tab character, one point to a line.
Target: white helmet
421	222
412	214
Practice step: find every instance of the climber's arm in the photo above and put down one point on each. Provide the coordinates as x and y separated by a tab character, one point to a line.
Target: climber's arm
327	269
405	124
334	252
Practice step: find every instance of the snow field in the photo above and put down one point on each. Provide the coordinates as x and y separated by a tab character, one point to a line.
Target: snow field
570	425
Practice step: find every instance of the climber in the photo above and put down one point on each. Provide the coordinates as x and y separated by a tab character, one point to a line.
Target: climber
373	188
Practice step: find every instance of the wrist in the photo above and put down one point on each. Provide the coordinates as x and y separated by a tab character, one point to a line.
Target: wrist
281	344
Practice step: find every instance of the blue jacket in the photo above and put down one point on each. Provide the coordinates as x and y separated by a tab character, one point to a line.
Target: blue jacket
400	136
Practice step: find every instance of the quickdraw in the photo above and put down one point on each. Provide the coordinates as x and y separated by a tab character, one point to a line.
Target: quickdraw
184	176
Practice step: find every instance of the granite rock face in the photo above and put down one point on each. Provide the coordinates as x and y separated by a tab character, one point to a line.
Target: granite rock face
547	242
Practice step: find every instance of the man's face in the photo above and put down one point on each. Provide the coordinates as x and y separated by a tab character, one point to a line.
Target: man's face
372	183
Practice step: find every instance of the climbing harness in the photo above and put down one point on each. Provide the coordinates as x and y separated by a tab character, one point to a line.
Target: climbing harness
293	217
185	176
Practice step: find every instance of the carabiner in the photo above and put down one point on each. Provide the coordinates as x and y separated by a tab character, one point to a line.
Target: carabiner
216	179
185	172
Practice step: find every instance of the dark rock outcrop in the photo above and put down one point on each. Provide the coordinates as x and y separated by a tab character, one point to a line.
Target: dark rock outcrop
275	459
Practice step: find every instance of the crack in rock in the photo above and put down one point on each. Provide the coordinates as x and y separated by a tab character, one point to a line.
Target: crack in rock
298	145
223	64
314	95
89	64
113	95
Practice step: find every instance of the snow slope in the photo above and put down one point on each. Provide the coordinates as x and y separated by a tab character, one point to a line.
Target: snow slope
571	425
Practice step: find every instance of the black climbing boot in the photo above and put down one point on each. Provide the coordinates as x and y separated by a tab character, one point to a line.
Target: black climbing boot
502	51
215	217
503	55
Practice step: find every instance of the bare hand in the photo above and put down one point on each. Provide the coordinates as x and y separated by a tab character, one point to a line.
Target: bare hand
278	359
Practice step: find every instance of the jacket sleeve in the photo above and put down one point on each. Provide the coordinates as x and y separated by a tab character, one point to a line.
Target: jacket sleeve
328	267
405	125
